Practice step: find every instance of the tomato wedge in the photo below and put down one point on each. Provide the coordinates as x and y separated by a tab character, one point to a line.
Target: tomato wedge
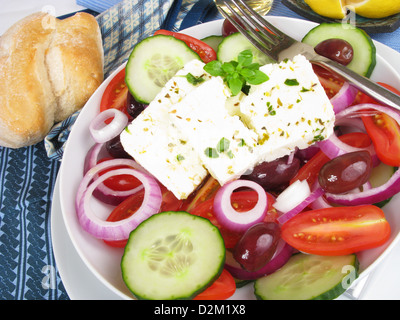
169	201
123	211
384	132
205	52
221	289
129	206
311	169
329	81
115	95
242	201
337	230
121	182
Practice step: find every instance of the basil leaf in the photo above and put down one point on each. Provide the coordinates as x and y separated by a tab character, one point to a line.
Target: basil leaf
235	84
214	68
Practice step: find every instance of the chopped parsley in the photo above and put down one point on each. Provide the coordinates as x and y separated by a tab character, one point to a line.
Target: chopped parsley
271	110
194	80
304	90
223	145
242	143
211	152
221	148
318	137
291	82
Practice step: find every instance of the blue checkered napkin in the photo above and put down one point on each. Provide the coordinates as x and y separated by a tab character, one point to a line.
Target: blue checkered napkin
122	27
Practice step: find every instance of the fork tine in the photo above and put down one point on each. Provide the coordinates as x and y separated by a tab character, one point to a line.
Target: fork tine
261	45
255	23
276	32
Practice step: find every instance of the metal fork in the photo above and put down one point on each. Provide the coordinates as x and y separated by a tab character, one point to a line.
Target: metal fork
279	46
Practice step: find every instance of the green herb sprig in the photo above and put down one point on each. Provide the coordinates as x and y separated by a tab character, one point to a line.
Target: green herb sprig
238	74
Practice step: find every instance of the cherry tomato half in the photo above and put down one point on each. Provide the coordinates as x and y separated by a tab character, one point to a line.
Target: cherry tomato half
221	289
384	132
337	230
129	206
205	52
121	182
242	201
123	211
116	93
329	81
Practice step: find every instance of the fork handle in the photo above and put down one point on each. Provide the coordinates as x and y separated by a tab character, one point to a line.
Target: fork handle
365	85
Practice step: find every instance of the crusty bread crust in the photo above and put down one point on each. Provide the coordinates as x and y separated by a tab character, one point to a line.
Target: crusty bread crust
48	69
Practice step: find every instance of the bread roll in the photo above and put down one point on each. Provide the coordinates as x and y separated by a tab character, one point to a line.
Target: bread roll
48	69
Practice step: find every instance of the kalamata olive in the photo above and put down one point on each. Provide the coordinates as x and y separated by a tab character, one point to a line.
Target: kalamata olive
257	245
274	175
228	28
346	172
115	148
133	107
338	50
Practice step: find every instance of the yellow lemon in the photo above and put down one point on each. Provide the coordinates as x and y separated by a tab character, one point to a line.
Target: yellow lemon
374	8
337	9
328	8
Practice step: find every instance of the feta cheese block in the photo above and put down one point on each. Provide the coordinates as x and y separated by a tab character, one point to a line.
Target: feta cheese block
158	146
289	111
195	128
223	143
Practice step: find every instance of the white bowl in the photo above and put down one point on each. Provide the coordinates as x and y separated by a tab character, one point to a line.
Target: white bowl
104	261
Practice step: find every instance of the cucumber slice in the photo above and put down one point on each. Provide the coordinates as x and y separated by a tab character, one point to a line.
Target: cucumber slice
213	41
380	175
309	277
232	45
241	283
364	50
153	62
172	255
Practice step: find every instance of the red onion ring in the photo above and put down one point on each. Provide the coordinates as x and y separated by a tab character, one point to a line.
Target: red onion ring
334	147
118	230
320	203
102	192
282	254
92	156
232	219
344	98
102	132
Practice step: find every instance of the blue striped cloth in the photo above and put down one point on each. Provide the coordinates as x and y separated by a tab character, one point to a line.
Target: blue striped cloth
98	6
28	175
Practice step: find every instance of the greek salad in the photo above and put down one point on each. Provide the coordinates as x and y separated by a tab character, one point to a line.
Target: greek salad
224	168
